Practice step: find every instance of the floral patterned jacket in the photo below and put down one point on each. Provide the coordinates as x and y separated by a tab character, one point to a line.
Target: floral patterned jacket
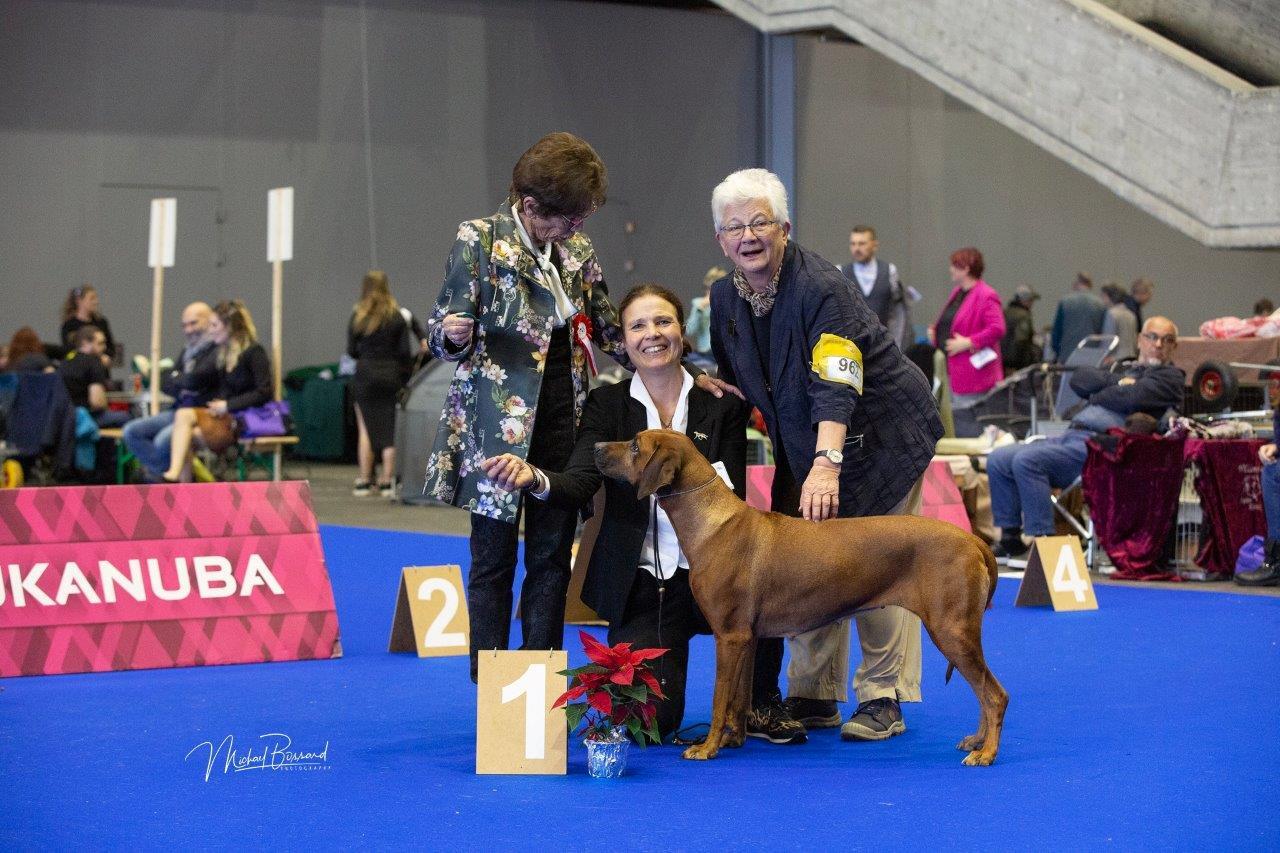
493	399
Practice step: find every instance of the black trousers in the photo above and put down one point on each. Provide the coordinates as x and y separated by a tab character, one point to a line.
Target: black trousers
548	537
681	619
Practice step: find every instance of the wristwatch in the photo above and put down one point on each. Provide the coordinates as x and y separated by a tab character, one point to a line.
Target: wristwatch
835	457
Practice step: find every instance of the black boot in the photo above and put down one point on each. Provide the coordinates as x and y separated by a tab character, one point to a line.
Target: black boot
1010	545
1268	574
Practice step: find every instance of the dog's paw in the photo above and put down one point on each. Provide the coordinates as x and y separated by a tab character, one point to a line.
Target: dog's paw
700	752
971	743
732	740
978	759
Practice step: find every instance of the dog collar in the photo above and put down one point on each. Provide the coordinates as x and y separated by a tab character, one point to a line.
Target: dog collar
687	491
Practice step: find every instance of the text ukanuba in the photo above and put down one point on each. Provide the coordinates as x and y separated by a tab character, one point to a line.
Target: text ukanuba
172	580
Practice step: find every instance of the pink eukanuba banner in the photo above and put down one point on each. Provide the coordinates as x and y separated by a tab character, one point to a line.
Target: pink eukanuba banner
135	577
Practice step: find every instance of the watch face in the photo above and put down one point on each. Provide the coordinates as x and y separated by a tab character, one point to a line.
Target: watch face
833	456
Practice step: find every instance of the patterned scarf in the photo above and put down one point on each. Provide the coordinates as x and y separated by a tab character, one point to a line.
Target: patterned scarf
761	303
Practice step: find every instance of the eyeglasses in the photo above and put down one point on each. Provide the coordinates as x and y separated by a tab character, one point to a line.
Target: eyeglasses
757	227
1168	340
573	223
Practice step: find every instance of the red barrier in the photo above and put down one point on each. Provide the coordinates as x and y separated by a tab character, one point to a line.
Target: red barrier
140	577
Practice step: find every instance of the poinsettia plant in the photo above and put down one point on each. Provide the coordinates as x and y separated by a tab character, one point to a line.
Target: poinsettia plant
618	689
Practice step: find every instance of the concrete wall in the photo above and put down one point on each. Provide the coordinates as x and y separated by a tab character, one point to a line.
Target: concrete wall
1155	123
106	105
878	144
1246	33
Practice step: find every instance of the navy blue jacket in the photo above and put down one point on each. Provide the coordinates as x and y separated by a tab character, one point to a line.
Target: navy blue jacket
893	424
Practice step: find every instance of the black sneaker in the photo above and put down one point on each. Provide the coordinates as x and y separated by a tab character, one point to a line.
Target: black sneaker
876	719
772	722
813	713
1268	574
1010	549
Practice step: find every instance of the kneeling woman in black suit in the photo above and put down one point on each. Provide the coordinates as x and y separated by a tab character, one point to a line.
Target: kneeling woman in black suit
638	579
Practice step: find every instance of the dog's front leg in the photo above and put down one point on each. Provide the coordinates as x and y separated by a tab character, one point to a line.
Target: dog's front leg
731	657
735	730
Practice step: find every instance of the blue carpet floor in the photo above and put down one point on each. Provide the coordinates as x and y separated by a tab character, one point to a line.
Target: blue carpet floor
1152	723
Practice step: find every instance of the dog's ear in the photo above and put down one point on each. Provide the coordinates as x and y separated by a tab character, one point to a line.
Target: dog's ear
659	471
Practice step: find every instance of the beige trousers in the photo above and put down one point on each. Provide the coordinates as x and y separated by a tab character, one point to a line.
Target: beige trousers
890	640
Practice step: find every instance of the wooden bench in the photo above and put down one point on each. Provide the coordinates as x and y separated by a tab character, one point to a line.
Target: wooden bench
254	451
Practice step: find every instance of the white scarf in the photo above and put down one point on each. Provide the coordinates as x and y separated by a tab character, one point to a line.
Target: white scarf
550	275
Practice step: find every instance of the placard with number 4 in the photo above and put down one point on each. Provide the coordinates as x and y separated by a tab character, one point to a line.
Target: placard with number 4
517	731
431	613
1056	574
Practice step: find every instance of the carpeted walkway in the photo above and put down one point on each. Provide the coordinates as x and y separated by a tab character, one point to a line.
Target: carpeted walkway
1149	724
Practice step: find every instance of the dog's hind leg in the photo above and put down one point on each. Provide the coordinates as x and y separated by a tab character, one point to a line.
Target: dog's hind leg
731	658
961	644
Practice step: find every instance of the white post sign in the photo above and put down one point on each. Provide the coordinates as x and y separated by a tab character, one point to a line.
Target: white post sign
279	250
280	224
160	253
164	225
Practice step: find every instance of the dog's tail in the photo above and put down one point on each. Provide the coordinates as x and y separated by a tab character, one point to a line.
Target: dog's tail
993	573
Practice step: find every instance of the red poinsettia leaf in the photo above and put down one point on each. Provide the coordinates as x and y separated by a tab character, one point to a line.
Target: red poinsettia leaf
568	695
646	654
648	713
625	675
620	715
592	680
601	701
652	684
596	651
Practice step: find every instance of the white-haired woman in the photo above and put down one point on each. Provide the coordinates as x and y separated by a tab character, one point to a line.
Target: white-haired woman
788	331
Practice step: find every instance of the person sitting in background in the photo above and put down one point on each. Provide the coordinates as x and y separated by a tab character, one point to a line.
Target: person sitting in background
79	310
1263	308
192	382
86	377
1079	315
627	580
244	382
26	353
1119	321
1023	475
698	329
1268	574
1019	348
969	329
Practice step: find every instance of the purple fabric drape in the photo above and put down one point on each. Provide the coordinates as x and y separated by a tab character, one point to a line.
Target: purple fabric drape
1131	483
1230	486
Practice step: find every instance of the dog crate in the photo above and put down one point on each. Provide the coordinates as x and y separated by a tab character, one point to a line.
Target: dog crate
1185	537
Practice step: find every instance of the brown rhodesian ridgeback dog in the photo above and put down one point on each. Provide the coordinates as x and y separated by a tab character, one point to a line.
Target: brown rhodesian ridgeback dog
763	574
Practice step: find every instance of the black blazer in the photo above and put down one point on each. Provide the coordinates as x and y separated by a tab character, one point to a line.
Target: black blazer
718	428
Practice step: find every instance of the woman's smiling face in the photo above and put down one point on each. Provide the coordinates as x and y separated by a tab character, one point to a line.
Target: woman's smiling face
654	339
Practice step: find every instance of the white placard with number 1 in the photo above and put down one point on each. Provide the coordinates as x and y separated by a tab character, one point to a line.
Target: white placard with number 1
517	731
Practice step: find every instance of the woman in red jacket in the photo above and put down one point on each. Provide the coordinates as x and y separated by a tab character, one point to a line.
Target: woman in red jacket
969	329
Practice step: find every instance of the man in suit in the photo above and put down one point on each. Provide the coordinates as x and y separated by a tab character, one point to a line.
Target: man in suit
879	284
853	425
1079	314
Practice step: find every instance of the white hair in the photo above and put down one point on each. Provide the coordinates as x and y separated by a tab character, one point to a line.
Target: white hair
748	185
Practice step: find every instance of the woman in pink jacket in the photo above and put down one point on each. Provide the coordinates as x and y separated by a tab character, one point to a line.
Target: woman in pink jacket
969	329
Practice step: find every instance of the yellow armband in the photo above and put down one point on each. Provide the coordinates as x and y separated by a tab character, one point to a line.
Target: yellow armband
838	359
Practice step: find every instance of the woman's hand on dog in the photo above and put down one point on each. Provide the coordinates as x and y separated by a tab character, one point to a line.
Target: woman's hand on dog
508	471
820	495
